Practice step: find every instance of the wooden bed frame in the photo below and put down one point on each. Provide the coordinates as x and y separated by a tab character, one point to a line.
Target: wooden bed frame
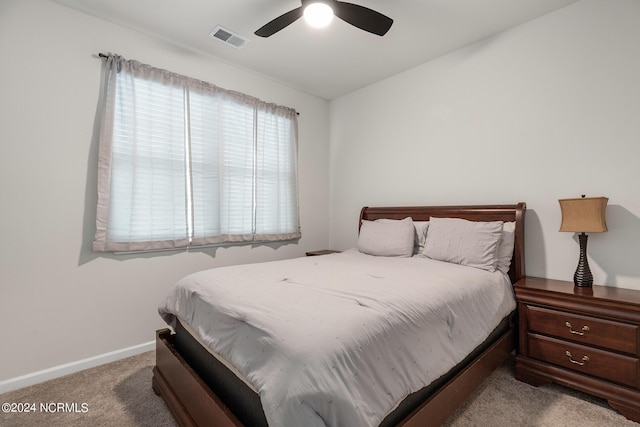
192	402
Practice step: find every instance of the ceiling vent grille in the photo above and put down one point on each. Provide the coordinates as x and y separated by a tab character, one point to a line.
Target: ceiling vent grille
228	36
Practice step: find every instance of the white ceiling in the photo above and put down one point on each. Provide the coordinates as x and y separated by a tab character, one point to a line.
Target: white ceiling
330	62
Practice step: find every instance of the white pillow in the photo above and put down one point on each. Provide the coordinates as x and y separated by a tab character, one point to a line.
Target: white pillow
459	241
420	235
505	250
387	238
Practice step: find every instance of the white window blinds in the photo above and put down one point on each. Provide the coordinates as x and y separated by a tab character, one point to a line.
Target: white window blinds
183	163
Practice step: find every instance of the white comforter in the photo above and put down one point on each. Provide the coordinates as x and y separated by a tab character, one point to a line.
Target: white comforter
339	340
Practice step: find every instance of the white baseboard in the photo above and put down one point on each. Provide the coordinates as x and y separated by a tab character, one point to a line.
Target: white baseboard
70	368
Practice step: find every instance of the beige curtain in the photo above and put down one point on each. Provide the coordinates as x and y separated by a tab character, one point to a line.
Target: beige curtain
183	163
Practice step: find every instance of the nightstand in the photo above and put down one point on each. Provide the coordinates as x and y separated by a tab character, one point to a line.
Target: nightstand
321	252
584	338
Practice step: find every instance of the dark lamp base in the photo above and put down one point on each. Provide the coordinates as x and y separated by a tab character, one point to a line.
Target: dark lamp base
583	283
583	277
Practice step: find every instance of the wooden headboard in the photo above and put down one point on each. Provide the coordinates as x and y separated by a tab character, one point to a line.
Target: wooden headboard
506	213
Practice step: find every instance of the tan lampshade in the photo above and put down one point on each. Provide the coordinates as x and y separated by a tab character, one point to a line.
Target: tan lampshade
584	215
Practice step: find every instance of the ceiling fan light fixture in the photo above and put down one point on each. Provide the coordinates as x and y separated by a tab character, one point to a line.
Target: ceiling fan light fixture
318	14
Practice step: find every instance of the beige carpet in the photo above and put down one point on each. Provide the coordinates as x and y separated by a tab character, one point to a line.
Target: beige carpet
119	394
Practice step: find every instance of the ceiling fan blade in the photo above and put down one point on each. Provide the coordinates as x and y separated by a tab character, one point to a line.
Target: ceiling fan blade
363	18
279	23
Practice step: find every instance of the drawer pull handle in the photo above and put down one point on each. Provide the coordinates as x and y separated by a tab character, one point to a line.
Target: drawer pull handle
584	329
585	359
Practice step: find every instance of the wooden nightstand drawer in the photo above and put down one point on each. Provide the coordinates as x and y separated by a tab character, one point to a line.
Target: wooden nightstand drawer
587	330
599	363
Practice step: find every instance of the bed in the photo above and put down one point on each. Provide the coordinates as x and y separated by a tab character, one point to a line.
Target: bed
217	380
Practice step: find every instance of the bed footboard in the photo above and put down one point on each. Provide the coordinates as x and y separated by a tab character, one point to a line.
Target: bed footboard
189	399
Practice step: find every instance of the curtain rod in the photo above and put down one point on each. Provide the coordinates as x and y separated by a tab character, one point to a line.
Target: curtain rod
102	55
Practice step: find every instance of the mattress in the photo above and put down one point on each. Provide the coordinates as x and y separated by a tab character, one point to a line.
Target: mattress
340	339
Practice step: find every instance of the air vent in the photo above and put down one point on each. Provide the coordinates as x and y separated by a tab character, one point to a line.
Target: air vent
228	36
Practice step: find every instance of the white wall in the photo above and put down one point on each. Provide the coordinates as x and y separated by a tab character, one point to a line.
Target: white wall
59	302
547	110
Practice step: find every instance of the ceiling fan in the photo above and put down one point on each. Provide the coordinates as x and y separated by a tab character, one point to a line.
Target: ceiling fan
359	16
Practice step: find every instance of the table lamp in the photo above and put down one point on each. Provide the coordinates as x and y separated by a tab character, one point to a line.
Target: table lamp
583	215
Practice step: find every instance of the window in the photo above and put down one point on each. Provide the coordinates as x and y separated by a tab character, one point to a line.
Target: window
185	163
